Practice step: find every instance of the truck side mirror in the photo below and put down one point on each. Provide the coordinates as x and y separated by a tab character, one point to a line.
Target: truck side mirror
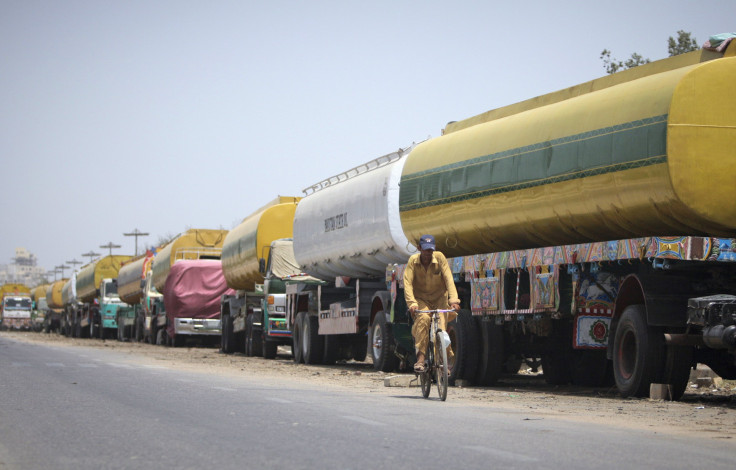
262	266
143	283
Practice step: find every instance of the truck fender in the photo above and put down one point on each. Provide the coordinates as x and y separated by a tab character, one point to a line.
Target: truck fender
664	299
380	303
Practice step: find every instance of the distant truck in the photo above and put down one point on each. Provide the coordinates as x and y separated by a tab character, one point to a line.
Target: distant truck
194	244
136	290
257	257
16	307
55	305
99	313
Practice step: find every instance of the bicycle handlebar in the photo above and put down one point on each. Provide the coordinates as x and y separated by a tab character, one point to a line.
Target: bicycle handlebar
437	310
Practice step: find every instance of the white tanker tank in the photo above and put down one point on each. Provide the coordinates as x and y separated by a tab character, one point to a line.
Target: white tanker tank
349	224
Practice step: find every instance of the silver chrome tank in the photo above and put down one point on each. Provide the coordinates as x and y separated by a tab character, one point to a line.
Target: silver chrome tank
349	225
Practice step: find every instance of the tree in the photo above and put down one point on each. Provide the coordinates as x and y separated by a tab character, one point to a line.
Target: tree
684	43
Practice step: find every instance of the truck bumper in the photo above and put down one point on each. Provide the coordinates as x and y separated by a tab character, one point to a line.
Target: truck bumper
17	323
197	326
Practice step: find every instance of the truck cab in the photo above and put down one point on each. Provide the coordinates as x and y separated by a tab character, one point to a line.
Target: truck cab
16	311
110	303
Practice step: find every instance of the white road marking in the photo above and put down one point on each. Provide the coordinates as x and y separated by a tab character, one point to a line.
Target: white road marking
278	400
502	453
364	420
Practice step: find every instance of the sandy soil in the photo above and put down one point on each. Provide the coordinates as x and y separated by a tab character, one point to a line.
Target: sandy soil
707	412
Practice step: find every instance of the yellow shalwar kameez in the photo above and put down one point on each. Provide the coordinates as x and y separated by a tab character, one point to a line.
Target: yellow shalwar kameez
430	288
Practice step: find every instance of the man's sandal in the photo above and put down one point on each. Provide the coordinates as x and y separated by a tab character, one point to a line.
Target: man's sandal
420	367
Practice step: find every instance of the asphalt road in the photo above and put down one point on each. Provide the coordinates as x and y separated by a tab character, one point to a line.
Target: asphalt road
76	408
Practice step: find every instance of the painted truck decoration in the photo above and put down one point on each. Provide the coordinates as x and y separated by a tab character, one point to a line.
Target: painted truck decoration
592	230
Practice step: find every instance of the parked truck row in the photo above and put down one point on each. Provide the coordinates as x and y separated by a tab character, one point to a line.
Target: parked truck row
592	230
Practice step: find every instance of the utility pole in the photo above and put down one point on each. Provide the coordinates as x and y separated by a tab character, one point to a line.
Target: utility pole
52	271
92	255
62	267
110	246
136	233
74	263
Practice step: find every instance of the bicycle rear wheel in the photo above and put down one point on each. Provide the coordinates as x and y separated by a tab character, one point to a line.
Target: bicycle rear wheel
425	378
442	370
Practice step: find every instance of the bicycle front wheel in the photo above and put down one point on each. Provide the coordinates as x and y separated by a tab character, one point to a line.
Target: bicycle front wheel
442	369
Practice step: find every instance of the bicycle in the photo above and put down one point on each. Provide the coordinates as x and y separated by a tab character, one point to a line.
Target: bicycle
437	368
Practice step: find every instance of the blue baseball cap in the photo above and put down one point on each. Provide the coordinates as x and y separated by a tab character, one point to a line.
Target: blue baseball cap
426	242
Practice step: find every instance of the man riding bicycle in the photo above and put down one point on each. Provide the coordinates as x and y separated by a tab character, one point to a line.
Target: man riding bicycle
428	285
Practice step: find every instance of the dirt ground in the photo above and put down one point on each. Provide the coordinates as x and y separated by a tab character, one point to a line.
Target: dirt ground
707	410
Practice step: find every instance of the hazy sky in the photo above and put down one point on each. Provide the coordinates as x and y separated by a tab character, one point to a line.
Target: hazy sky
168	115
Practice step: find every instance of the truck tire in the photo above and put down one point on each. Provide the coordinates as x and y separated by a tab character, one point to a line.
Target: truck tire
464	337
153	336
677	364
333	344
313	344
257	335
270	348
492	355
360	347
382	344
296	338
253	336
588	368
638	351
226	338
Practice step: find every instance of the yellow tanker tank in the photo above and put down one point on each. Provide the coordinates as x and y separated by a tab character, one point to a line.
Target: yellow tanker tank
90	276
130	277
68	292
39	292
53	294
250	241
648	151
192	244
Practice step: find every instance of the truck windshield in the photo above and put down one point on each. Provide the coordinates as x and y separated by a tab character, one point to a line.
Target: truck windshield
111	289
17	302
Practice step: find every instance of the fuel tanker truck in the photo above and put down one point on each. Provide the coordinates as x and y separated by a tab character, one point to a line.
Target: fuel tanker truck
190	305
257	257
135	291
593	227
40	307
346	231
101	314
54	303
15	307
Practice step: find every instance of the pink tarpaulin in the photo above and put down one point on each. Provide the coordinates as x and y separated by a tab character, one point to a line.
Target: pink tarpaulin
193	289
